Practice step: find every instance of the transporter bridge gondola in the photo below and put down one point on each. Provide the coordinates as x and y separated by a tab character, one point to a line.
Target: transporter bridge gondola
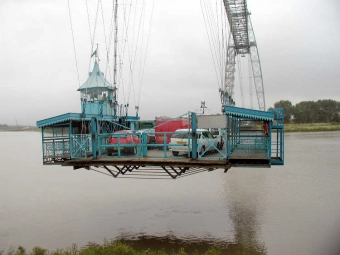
238	137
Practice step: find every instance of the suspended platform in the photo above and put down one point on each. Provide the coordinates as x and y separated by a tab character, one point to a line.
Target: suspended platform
244	138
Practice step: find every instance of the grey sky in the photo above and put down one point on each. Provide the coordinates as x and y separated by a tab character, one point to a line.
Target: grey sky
297	41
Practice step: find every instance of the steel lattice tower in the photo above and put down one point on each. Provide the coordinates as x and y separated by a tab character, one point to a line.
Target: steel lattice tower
241	41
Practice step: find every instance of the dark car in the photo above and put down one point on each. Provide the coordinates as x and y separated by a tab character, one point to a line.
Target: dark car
124	137
150	134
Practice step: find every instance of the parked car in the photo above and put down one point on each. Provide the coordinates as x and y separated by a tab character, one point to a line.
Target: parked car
180	139
217	133
124	137
150	134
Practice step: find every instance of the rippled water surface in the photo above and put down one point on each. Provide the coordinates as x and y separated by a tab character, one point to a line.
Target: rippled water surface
291	209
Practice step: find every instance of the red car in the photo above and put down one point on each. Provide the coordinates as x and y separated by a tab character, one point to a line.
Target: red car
124	137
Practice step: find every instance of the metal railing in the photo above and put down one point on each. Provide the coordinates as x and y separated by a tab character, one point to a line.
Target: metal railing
81	146
212	147
56	148
249	144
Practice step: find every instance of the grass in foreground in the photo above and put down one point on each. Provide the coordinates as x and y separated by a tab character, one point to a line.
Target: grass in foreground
108	248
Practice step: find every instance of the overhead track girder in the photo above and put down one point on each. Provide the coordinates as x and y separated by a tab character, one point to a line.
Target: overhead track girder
241	41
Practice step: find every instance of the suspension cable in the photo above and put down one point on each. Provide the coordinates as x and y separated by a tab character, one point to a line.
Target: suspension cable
250	82
125	30
216	30
141	24
240	79
74	45
106	43
146	52
94	32
210	41
88	21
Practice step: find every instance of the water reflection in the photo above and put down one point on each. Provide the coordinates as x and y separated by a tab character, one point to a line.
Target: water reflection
244	191
244	194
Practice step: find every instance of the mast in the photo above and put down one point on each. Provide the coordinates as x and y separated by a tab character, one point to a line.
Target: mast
115	59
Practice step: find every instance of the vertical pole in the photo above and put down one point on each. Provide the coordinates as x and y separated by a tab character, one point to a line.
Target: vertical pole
278	142
99	138
94	136
269	146
282	145
144	145
228	138
70	134
193	135
42	142
54	135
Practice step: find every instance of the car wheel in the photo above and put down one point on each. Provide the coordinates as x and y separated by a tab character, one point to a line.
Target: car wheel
131	151
202	150
175	153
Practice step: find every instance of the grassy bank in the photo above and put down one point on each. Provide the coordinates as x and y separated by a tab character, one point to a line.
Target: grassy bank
15	129
312	127
108	248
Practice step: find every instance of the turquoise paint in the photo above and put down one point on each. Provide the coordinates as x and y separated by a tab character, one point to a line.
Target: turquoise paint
94	136
193	136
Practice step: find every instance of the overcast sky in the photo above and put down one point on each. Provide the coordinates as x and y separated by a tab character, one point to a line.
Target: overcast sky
298	43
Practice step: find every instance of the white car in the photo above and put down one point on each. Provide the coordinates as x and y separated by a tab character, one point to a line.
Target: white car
181	142
220	134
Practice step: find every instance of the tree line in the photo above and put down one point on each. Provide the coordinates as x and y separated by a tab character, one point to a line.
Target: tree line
321	111
3	126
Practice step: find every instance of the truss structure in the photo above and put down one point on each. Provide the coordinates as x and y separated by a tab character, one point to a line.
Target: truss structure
149	172
241	41
148	168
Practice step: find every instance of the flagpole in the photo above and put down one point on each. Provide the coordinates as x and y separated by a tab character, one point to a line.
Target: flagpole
97	55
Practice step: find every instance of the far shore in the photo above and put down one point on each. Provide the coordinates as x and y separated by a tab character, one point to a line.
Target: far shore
312	127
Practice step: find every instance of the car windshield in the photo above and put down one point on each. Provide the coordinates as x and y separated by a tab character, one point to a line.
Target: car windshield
145	130
184	136
215	132
180	135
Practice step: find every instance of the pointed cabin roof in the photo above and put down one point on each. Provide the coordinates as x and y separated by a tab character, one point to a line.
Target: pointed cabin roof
96	80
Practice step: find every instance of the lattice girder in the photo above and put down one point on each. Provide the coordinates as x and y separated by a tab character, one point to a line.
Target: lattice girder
241	41
237	14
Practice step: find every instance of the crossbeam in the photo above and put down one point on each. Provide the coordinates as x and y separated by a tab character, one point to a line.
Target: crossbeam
237	14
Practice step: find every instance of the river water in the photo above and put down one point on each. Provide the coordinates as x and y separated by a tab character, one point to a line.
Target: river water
291	209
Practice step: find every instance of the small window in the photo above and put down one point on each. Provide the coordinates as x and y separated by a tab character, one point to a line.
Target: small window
209	135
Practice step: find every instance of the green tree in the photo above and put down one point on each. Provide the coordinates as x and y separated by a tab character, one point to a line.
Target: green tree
288	109
306	112
328	111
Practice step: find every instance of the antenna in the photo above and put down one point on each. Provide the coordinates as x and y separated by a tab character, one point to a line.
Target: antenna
203	105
